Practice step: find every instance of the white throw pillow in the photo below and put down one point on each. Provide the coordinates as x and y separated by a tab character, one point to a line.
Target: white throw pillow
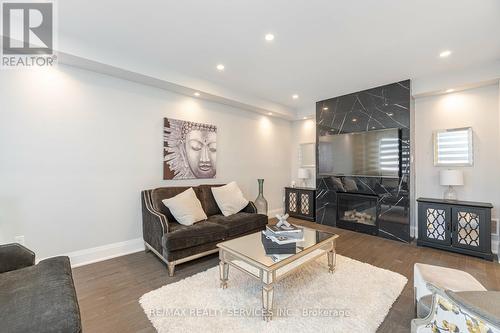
186	208
229	198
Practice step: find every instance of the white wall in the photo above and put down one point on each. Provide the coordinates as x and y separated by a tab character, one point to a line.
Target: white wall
78	147
478	108
303	131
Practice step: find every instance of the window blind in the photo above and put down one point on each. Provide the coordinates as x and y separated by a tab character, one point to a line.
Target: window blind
453	147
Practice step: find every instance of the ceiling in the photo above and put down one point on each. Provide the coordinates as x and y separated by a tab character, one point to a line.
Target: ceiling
321	49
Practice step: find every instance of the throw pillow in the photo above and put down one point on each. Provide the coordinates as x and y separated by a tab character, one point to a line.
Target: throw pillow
350	185
337	184
229	198
186	208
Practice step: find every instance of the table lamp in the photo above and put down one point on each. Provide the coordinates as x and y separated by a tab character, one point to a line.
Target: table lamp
451	178
303	175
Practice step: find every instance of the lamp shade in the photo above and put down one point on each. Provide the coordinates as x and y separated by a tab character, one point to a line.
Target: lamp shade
303	173
451	177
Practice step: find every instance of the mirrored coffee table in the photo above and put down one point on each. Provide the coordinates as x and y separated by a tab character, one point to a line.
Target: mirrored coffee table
248	254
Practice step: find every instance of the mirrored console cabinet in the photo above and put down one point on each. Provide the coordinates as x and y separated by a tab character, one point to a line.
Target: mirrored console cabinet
459	226
299	202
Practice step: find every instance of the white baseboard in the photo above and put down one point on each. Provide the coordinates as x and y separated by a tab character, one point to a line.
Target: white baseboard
109	251
414	231
104	252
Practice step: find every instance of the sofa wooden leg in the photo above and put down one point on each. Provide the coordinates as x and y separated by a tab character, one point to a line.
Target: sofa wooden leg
171	268
146	248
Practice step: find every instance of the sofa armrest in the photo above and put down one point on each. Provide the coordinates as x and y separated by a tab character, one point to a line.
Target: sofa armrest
154	223
482	304
15	256
459	315
250	208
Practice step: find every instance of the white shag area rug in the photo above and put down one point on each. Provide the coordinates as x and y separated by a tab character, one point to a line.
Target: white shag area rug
356	298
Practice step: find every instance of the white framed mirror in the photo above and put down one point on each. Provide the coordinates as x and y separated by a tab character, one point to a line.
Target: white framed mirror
307	155
453	147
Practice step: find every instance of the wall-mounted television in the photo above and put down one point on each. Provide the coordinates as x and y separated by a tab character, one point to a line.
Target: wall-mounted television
374	153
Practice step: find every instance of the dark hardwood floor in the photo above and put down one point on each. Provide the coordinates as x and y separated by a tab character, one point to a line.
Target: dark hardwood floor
108	291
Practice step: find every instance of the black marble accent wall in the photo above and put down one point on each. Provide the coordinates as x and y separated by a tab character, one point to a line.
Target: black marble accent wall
373	109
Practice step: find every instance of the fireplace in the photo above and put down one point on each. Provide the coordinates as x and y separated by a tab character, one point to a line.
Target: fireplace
357	212
385	107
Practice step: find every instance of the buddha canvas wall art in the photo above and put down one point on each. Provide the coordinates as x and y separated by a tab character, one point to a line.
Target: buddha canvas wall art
189	150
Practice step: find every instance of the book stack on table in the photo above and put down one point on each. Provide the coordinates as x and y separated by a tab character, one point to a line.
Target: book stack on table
281	240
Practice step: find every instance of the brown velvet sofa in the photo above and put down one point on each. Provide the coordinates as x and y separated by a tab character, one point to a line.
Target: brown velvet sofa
175	243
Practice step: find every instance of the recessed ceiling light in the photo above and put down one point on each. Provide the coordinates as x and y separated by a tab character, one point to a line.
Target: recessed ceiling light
450	90
295	96
445	54
269	113
220	67
325	108
269	37
197	94
354	120
304	118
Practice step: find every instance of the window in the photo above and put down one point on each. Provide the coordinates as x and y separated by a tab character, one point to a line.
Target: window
453	147
388	154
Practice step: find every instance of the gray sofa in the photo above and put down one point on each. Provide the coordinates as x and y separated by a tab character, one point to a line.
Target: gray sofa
175	243
36	298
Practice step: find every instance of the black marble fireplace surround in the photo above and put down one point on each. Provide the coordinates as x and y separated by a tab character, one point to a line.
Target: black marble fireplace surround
369	110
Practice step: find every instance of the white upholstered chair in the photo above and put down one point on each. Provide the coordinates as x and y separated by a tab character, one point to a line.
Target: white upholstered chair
466	311
442	277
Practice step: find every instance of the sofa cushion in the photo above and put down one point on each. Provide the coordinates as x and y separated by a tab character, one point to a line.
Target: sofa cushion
186	207
240	223
182	237
207	199
183	253
229	198
162	193
39	298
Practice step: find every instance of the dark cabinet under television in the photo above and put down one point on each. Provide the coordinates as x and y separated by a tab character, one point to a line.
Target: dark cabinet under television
299	202
459	226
